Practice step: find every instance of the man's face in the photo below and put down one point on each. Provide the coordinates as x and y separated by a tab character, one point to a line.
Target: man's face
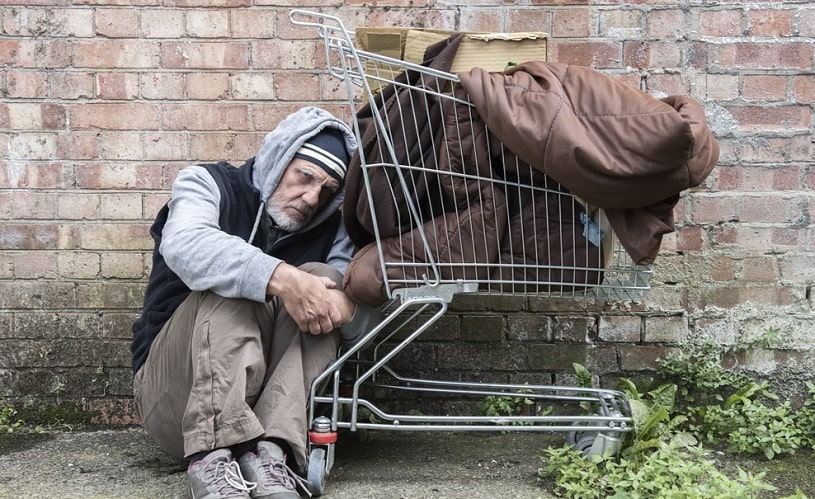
302	190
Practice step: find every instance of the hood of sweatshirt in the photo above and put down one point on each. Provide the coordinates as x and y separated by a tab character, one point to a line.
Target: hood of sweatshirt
280	145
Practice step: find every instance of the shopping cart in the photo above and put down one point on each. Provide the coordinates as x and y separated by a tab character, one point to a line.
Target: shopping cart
444	221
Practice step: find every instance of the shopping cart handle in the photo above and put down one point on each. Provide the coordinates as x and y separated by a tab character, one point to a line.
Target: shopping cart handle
318	17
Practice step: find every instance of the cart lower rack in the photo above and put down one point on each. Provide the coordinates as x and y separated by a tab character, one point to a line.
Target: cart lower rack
440	207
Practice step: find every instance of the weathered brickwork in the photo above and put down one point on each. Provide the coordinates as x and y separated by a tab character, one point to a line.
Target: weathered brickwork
103	101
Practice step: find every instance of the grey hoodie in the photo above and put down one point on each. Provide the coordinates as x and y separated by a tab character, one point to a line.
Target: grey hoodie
206	258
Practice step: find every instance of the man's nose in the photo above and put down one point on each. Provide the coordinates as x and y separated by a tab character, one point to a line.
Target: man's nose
312	196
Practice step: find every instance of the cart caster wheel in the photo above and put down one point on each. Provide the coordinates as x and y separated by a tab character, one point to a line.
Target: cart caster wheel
316	471
585	443
572	437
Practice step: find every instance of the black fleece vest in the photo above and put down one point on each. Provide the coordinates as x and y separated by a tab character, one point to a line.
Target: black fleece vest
240	202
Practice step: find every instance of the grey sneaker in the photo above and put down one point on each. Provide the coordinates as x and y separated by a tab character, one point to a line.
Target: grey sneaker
267	468
216	476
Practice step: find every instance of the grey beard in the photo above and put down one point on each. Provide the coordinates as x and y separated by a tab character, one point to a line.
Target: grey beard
280	219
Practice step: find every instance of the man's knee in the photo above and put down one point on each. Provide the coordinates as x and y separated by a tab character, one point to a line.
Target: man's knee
322	270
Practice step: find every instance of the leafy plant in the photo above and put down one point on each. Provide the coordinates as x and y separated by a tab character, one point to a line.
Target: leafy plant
504	405
10	422
698	373
671	470
725	406
662	458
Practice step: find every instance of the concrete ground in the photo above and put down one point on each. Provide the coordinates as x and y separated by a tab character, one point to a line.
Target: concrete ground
124	463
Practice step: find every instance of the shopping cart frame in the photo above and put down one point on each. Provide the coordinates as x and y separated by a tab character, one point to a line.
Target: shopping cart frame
414	307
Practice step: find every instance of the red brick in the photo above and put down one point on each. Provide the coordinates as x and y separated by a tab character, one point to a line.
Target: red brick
122	265
32	146
99	236
789	55
286	54
42	53
642	358
429	18
205	117
787	178
114	116
667	24
722	87
71	22
119	54
806	22
163	86
673	329
218	3
121	146
801	149
720	23
256	23
121	206
797	268
28	21
33	205
114	176
40	175
70	85
35	265
764	150
162	23
722	269
254	86
26	84
770	209
205	55
617	329
296	87
165	146
23	236
117	23
762	269
77	145
591	54
153	203
208	86
803	88
667	84
765	88
689	238
79	265
709	209
637	54
76	206
534	20
571	23
623	23
117	86
772	118
214	147
769	22
8	52
210	23
786	237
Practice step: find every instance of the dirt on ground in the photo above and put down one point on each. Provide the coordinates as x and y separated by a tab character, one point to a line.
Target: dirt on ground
125	463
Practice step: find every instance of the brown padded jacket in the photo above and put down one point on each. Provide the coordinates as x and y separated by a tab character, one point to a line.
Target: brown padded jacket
614	146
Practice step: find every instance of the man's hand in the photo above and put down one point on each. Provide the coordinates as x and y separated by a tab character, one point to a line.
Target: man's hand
312	301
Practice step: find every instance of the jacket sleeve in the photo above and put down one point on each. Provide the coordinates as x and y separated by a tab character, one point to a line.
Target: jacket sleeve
204	256
341	250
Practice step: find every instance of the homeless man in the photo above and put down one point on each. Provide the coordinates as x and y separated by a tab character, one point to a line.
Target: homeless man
244	309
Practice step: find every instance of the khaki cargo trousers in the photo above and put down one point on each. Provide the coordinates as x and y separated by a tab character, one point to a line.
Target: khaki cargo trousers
225	371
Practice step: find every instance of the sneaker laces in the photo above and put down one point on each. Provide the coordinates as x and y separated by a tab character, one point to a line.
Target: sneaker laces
226	478
278	473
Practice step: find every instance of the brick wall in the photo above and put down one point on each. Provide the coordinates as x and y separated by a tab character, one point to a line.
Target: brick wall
103	101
